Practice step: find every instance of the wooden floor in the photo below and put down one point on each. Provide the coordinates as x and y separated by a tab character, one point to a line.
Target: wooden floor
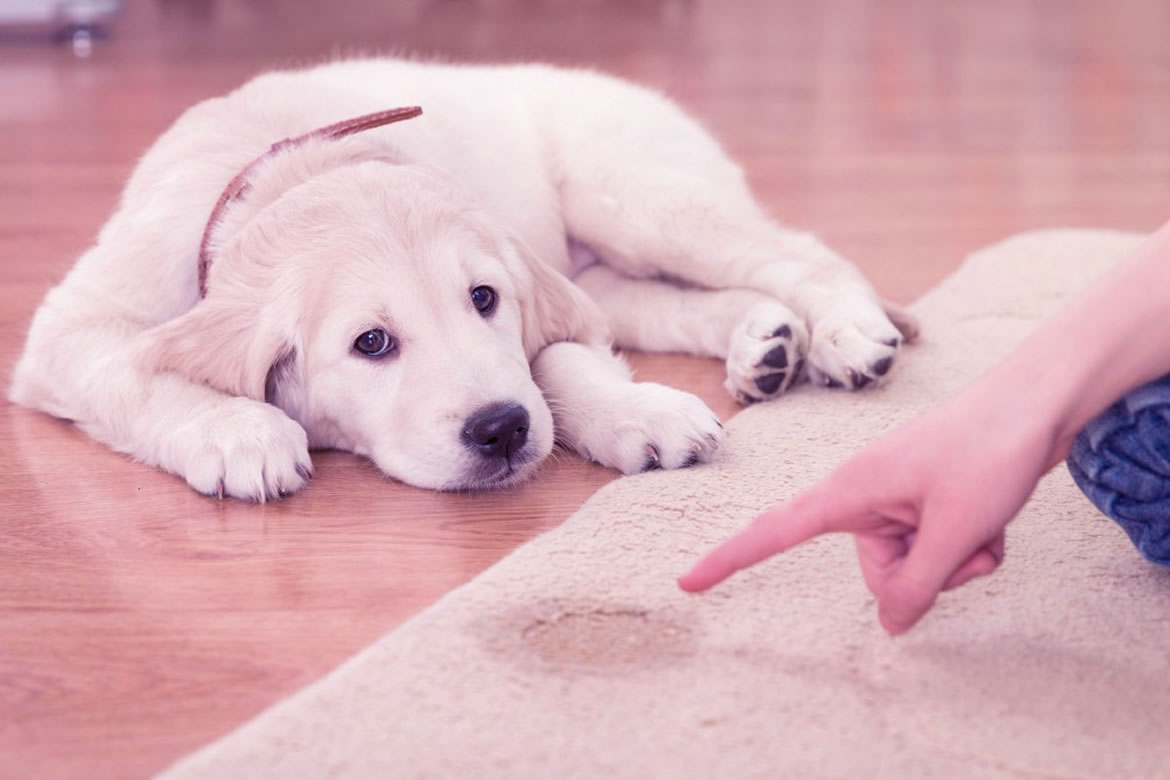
139	621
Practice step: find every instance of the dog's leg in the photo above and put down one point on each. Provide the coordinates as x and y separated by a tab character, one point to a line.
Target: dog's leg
630	426
88	368
761	339
653	195
686	235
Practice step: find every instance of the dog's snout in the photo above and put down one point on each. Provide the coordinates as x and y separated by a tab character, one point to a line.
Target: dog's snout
498	430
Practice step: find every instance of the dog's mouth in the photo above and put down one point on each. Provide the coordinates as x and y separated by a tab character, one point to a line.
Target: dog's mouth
494	476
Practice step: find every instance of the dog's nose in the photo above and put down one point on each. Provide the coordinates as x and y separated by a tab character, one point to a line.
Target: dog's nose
498	430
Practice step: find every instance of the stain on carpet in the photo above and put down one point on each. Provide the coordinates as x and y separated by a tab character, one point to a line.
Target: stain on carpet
590	637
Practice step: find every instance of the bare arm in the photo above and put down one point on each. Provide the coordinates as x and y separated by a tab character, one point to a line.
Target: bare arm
1111	339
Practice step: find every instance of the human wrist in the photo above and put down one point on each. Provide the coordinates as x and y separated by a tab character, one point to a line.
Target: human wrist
1021	412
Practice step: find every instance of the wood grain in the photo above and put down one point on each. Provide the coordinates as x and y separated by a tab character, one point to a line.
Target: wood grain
139	620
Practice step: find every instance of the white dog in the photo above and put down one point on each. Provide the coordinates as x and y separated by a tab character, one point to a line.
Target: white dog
403	292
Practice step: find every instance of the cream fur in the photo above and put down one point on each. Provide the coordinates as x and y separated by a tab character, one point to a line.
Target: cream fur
391	228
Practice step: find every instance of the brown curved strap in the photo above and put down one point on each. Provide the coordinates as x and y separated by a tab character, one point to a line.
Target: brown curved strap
240	184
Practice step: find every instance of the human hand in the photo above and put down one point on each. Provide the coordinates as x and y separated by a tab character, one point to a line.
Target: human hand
927	506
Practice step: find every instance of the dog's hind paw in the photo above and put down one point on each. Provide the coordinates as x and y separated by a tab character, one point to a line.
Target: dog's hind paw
766	353
852	350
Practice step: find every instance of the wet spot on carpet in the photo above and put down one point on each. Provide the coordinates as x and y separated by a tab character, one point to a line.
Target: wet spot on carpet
593	637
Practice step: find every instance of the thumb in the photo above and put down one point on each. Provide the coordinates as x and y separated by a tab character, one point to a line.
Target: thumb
904	601
912	589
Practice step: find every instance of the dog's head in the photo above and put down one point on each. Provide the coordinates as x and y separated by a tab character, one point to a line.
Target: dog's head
380	308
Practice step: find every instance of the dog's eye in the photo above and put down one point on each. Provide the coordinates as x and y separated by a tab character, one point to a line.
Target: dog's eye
374	343
483	298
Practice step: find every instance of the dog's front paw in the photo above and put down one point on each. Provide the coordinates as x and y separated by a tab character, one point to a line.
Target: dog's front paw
853	349
245	449
766	353
650	426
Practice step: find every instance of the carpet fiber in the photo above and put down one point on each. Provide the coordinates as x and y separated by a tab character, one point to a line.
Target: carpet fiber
576	656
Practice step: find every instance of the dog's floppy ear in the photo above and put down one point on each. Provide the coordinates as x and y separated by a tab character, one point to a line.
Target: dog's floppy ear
552	308
224	344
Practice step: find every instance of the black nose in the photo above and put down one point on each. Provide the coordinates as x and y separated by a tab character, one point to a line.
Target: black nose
498	430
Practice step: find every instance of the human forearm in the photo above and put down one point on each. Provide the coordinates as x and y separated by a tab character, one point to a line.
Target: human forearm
1112	338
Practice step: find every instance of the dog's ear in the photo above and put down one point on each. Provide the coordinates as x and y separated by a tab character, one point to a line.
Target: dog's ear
226	345
552	308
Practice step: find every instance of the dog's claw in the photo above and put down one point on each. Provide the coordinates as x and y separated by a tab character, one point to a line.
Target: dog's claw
653	462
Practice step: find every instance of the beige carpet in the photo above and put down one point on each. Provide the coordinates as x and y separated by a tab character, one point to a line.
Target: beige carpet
576	656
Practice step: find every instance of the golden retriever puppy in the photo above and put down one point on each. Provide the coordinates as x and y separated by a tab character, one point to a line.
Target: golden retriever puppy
292	266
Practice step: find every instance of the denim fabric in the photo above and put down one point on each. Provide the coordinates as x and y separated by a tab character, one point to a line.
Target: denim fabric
1121	460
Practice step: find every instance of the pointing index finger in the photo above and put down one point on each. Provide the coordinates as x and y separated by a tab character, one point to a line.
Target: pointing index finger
820	510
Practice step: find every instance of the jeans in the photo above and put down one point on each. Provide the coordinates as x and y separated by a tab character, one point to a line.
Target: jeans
1121	461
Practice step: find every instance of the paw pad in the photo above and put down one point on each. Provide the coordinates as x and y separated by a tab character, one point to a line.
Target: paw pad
770	383
776	358
769	338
